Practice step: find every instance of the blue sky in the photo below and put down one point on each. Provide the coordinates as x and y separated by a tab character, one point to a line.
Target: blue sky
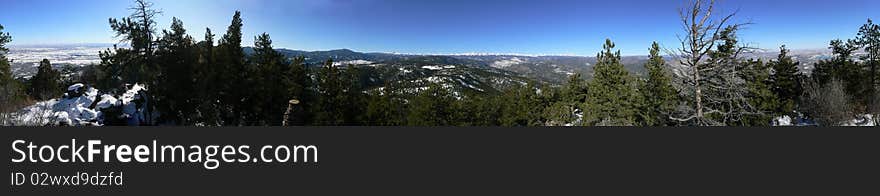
575	27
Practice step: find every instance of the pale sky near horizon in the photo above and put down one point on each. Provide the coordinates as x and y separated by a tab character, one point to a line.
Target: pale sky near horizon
572	27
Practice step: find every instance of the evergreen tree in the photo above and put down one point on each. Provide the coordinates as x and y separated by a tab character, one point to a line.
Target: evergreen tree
45	84
432	107
612	97
177	59
354	99
479	110
270	97
299	87
869	38
207	83
331	96
761	97
660	97
5	69
522	106
565	108
385	108
11	93
231	60
841	67
139	30
575	90
785	82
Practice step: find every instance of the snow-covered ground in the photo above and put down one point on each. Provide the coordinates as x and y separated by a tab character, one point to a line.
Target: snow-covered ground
507	63
437	67
81	55
864	120
77	110
353	62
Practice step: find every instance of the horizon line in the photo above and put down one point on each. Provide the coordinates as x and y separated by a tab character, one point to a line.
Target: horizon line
87	44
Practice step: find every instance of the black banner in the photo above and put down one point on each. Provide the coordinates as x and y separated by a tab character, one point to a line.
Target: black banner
455	161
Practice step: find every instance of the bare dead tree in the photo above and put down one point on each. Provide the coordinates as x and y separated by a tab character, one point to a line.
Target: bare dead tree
710	81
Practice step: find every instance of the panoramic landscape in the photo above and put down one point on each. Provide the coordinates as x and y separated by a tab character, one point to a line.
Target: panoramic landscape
716	66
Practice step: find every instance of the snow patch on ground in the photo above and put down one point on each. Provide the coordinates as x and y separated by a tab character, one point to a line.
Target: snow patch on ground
782	121
404	70
352	62
507	62
559	70
865	120
437	67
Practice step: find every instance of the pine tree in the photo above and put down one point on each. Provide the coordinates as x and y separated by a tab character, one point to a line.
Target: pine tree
432	107
785	82
177	57
564	109
575	90
231	60
841	67
479	110
45	84
385	108
355	103
660	97
869	38
299	87
761	97
11	93
207	83
331	96
5	69
270	96
521	106
139	30
612	97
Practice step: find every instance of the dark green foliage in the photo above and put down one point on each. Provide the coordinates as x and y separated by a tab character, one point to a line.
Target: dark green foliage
269	96
612	99
207	82
45	85
841	67
566	102
660	97
231	75
869	39
355	100
139	30
385	108
330	96
299	87
763	101
11	92
432	107
522	106
177	58
785	82
479	110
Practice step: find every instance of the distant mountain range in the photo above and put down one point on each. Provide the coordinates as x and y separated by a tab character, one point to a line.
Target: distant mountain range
542	69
